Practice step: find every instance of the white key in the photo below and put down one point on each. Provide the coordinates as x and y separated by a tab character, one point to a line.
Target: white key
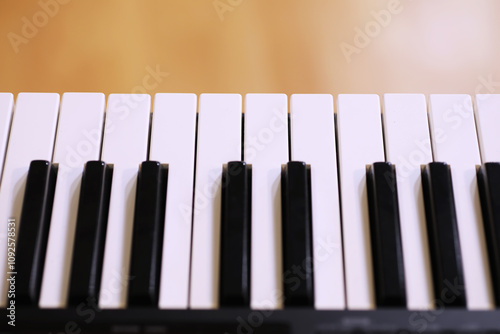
125	145
407	146
6	105
312	140
78	140
488	126
266	149
454	141
173	135
360	143
31	138
219	141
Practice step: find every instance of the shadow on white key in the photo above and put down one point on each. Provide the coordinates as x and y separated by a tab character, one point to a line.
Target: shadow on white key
31	138
454	141
125	145
78	140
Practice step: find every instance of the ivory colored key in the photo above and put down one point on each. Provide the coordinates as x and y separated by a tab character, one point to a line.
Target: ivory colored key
487	113
79	133
454	141
360	143
6	105
312	139
266	149
219	141
173	134
31	138
407	146
125	146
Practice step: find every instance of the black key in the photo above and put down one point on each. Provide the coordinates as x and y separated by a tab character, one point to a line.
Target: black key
147	238
442	230
488	178
90	234
34	230
297	234
387	252
235	234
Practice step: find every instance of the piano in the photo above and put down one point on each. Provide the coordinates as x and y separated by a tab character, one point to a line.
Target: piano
255	214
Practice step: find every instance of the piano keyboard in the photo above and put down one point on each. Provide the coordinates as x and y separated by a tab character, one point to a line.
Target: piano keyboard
242	218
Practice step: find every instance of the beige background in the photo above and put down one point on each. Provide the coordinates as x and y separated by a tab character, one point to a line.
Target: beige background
258	46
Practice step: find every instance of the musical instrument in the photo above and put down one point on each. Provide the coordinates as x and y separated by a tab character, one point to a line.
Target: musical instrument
214	220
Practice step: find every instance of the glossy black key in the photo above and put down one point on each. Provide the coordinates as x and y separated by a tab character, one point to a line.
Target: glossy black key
147	237
488	178
442	230
297	234
90	234
387	253
236	208
34	230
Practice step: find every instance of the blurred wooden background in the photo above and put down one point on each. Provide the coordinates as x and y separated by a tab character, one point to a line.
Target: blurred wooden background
246	46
